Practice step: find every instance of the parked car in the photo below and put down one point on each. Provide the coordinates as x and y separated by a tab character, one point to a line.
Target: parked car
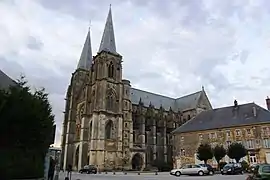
89	169
232	168
261	172
211	170
190	169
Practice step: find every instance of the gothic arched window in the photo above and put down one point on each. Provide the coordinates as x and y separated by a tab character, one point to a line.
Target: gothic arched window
108	129
90	131
111	70
81	112
110	104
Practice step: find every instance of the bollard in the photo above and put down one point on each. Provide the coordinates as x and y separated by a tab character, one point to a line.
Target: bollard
106	172
113	172
125	173
156	173
139	173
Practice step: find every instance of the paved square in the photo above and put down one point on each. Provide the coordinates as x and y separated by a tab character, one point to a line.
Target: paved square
149	176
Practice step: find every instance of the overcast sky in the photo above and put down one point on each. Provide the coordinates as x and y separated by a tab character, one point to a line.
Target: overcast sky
168	47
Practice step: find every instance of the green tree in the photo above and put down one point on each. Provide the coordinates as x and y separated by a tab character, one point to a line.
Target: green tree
204	152
25	134
219	152
236	151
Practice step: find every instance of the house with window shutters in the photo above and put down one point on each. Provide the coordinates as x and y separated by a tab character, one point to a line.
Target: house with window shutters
248	124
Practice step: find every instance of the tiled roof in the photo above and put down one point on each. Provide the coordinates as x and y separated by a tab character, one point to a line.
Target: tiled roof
5	81
226	117
185	102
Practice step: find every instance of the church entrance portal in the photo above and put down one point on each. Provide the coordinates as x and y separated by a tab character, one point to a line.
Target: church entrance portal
137	162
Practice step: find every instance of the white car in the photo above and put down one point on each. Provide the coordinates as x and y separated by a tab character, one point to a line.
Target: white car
190	169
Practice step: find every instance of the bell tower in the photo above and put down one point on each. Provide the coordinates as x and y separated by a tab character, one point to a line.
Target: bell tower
106	102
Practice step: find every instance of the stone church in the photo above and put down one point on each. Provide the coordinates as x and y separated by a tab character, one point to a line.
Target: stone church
111	125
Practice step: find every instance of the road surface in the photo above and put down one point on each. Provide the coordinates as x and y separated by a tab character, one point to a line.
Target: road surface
148	176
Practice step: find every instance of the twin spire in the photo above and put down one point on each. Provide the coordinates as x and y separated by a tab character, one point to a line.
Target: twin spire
107	44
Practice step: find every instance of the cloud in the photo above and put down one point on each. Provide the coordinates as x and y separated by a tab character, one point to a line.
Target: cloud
180	45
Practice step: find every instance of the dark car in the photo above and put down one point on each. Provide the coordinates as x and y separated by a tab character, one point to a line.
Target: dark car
210	169
232	168
89	169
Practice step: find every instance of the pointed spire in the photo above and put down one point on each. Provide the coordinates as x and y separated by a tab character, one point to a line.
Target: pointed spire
86	55
108	40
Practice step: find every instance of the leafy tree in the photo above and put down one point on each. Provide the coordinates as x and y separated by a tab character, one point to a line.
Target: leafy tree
244	165
204	152
236	151
25	131
219	152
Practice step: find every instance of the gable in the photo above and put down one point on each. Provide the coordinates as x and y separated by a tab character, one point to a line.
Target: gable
187	102
204	102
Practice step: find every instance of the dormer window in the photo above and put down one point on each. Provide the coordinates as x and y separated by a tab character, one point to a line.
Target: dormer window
238	132
111	70
228	133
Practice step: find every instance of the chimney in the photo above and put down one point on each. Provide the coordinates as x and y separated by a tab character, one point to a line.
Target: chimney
268	103
235	103
254	111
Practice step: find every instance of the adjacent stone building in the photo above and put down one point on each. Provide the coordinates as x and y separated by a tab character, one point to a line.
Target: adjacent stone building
5	81
248	124
112	125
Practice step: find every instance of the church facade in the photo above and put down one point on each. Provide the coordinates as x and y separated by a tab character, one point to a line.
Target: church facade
111	125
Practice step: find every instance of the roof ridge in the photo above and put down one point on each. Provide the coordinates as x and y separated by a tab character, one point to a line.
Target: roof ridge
223	107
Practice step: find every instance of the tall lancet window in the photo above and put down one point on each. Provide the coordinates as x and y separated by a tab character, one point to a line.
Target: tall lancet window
110	104
108	129
90	130
111	70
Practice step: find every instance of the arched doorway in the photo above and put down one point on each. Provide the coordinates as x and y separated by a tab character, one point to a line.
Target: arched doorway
77	157
137	162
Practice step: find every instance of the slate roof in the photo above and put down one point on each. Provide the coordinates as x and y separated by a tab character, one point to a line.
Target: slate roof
108	40
226	117
5	81
85	61
185	102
